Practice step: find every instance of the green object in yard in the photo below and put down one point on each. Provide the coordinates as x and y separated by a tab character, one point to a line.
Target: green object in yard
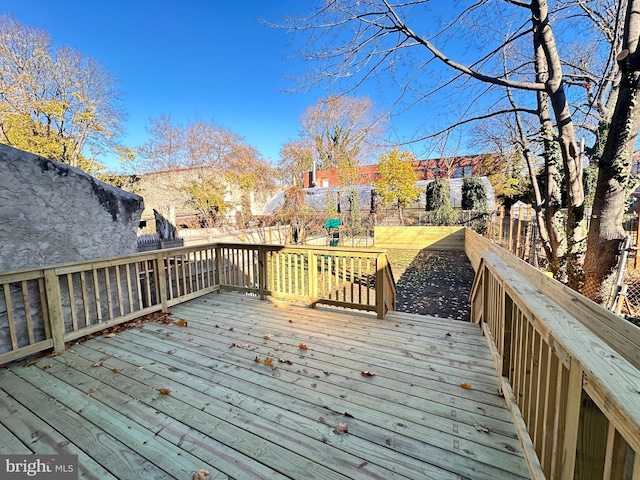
332	223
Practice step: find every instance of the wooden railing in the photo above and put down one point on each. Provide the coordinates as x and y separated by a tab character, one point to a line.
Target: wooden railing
45	308
351	278
568	369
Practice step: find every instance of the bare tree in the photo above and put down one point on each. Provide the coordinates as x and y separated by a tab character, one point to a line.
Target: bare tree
337	132
371	37
222	159
296	158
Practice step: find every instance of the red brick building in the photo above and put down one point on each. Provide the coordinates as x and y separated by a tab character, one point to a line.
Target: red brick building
450	167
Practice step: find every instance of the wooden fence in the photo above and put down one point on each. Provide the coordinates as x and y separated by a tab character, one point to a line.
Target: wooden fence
44	308
568	368
436	238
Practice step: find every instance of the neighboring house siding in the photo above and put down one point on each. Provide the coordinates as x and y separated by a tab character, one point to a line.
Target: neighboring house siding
52	213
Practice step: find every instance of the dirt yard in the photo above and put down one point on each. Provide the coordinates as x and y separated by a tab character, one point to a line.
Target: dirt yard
433	283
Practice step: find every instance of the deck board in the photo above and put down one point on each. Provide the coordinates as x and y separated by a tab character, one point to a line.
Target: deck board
242	419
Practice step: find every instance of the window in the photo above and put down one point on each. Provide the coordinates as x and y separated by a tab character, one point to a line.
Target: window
464	171
325	183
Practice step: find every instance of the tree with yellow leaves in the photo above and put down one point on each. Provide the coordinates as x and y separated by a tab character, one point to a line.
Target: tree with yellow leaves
55	102
397	180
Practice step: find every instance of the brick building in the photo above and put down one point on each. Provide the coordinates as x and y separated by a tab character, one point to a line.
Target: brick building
449	167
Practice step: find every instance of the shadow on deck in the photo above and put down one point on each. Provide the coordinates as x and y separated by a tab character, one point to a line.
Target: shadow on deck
312	415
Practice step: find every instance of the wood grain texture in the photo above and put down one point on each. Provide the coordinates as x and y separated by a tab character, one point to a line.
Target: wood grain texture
243	419
411	238
621	335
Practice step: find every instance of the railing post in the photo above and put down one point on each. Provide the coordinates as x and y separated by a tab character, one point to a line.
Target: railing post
262	272
505	355
380	266
572	421
510	237
162	280
54	306
218	267
313	278
615	456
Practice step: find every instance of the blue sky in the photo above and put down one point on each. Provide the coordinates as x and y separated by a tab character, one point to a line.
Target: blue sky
192	59
198	59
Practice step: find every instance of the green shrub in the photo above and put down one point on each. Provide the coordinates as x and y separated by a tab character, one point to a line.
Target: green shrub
474	194
437	194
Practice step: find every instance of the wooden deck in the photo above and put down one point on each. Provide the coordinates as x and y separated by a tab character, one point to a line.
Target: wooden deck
240	419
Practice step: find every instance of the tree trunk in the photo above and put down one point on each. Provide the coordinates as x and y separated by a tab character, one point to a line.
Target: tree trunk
606	232
548	213
576	222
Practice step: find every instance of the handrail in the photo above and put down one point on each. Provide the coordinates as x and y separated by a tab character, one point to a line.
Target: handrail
343	277
621	335
575	396
47	307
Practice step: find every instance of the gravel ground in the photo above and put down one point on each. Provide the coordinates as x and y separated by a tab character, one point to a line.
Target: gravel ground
432	283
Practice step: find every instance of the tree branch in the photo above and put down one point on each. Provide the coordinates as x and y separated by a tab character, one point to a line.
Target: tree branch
518	3
473	119
402	27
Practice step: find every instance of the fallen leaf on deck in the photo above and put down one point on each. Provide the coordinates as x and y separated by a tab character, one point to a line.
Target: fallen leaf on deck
314	385
110	335
93	390
284	360
303	346
98	364
397	324
201	474
48	365
268	362
267	336
181	323
367	373
290	321
115	370
231	329
189	339
322	420
466	385
164	391
217	326
481	427
257	359
341	429
171	352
